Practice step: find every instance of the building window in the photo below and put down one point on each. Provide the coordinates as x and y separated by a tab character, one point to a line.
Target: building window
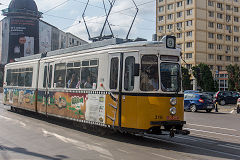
189	2
228	58
179	35
219	57
219	68
161	18
189	44
236	29
179	4
236	49
219	36
219	26
228	49
228	38
211	67
220	5
161	28
189	12
210	35
235	9
211	24
189	34
236	39
210	13
179	14
236	19
169	27
228	18
219	47
188	55
210	3
161	8
179	25
189	23
236	59
219	15
170	16
210	56
210	46
170	6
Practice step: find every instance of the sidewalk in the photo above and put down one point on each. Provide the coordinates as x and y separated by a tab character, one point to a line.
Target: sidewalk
227	108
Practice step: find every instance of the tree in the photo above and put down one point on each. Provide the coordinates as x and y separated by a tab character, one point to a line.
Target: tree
186	81
233	77
204	78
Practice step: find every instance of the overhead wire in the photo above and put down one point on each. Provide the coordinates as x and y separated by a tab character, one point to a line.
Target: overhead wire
91	19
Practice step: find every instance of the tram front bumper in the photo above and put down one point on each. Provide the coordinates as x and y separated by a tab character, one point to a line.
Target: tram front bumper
168	123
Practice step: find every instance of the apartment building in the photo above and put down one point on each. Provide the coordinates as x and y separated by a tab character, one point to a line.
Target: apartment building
208	31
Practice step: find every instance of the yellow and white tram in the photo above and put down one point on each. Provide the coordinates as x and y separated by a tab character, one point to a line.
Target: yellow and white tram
131	87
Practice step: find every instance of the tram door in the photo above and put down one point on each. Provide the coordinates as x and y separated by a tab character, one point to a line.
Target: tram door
130	88
47	84
122	109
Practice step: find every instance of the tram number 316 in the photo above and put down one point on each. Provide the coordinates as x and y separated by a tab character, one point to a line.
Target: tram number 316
158	117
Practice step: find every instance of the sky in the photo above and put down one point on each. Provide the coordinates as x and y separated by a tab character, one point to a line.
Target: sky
67	16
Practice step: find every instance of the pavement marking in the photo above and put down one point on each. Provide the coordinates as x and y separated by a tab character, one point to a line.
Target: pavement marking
230	146
232	111
198	125
223	134
79	144
106	157
163	156
16	121
123	151
188	145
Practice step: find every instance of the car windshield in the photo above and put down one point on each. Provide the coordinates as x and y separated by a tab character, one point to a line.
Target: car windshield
170	77
206	96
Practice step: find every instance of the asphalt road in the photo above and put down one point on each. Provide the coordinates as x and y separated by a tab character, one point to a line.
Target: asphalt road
29	137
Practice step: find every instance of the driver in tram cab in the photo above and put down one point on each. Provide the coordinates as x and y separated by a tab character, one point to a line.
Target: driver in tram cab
154	81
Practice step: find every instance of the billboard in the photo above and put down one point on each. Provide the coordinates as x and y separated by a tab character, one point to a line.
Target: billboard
45	36
23	38
5	41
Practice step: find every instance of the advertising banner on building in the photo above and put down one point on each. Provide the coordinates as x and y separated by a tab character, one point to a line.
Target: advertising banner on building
23	38
45	36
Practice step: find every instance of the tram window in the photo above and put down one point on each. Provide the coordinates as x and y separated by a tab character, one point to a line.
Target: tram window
149	73
60	75
89	76
129	74
114	73
170	73
73	75
49	76
28	77
14	80
9	77
21	76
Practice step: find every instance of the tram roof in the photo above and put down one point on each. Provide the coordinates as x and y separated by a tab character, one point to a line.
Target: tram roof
116	42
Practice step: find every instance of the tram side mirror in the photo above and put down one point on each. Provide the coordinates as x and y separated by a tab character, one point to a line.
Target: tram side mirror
136	69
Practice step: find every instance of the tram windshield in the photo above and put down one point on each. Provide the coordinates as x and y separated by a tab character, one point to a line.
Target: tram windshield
170	74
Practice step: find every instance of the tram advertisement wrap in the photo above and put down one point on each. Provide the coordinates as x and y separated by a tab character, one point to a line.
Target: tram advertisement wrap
90	107
23	38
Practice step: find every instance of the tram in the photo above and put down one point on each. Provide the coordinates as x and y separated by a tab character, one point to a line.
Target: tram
132	87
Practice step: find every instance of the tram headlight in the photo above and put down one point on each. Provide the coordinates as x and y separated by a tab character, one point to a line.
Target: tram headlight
173	101
173	111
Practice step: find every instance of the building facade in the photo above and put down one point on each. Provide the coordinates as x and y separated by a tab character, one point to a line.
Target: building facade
208	31
23	33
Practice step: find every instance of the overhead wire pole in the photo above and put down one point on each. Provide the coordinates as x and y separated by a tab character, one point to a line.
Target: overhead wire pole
133	19
112	4
83	16
106	15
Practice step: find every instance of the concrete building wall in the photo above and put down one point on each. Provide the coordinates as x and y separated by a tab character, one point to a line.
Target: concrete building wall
210	30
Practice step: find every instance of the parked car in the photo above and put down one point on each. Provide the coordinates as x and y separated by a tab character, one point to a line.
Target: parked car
198	101
238	105
226	97
211	94
191	91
